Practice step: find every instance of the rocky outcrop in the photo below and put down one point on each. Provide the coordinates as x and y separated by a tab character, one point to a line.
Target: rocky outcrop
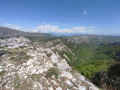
15	42
43	70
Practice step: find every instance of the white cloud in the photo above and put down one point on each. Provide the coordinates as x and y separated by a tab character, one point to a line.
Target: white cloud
47	28
85	12
32	30
13	26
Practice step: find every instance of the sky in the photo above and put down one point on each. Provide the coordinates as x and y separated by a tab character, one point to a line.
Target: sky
61	16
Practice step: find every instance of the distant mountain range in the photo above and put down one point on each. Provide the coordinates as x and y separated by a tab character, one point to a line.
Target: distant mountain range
76	38
8	32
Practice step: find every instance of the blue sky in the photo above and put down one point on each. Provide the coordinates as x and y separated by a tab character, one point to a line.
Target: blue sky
62	16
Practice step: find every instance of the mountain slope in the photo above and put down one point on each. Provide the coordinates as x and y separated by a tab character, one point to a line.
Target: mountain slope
90	56
92	38
96	57
82	56
30	67
7	32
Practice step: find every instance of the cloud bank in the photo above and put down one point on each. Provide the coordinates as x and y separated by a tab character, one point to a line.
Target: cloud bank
47	28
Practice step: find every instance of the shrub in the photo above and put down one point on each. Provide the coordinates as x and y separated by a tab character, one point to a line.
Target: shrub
1	73
27	57
54	64
9	52
53	71
23	55
2	51
14	58
49	54
22	47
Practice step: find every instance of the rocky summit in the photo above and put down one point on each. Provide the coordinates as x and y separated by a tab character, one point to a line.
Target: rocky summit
23	66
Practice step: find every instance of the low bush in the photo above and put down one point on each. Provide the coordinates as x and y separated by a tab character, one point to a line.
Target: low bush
1	73
49	54
53	71
14	58
54	64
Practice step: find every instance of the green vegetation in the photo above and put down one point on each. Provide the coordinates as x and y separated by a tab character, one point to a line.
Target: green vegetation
14	58
17	86
35	39
40	38
21	55
2	51
110	79
89	68
54	64
49	54
111	39
18	56
53	71
98	60
88	59
16	82
1	73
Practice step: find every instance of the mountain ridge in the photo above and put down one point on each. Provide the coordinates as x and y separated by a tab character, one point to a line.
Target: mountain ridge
27	66
6	32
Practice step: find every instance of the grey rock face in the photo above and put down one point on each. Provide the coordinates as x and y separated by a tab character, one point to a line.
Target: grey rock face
15	42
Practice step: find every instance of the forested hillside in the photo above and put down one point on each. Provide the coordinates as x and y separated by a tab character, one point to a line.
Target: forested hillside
94	59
